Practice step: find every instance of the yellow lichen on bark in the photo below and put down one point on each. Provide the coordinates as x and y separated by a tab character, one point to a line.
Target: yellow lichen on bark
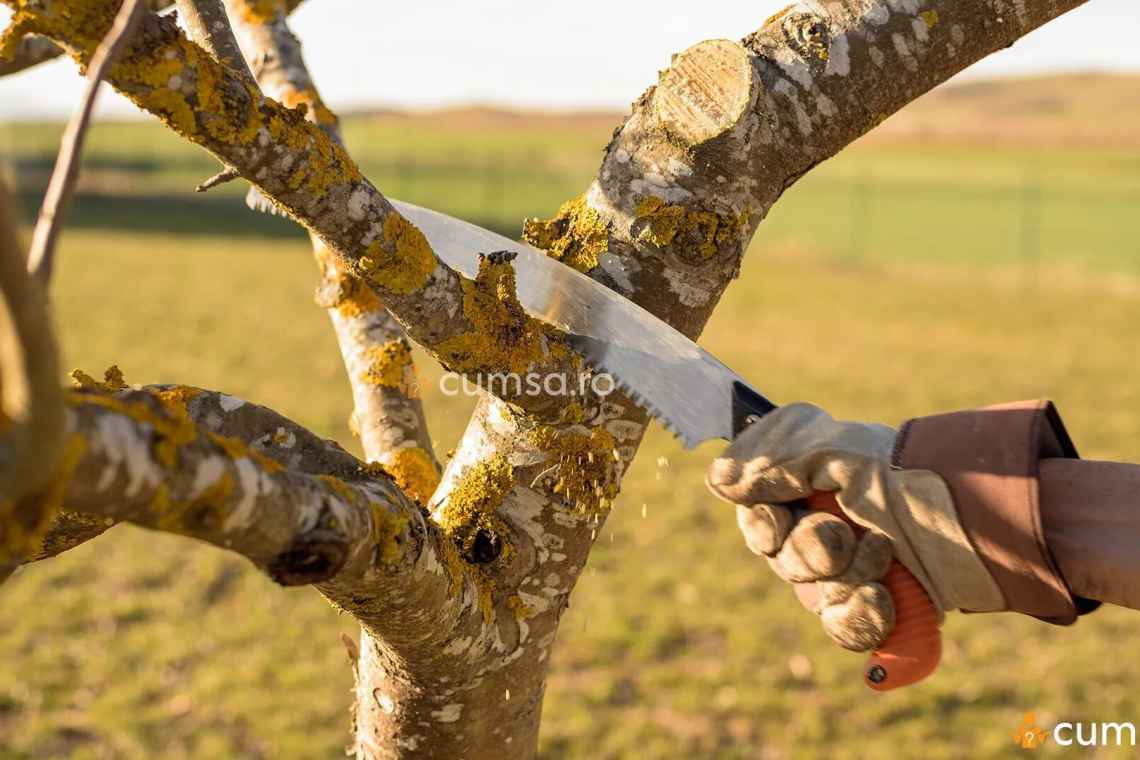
83	25
260	11
177	397
236	449
401	260
414	472
588	467
390	366
343	291
205	513
309	98
576	235
474	501
386	530
19	540
113	381
196	95
688	230
171	431
505	338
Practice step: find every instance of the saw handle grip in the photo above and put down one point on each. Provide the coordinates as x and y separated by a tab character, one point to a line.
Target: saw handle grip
914	647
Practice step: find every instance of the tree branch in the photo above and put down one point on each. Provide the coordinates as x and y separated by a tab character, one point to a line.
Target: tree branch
388	414
266	432
28	52
210	27
31	406
33	50
141	459
66	171
469	327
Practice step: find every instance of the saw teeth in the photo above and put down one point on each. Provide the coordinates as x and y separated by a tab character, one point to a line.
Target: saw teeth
256	201
644	403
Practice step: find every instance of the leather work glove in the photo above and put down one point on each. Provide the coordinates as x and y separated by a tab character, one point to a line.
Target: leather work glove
799	450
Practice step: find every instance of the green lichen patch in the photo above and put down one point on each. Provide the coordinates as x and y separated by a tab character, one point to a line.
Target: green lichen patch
577	236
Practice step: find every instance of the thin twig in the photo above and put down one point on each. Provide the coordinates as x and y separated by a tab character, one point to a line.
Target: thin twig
64	176
228	174
31	401
210	27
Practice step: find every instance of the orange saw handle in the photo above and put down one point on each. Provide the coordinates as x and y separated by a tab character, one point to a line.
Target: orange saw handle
914	647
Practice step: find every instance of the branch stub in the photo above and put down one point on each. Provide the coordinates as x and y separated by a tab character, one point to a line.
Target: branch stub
706	92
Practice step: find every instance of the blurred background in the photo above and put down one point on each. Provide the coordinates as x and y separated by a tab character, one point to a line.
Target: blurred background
981	246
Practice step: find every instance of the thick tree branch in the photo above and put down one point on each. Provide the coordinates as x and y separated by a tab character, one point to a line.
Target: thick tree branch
141	459
296	164
266	432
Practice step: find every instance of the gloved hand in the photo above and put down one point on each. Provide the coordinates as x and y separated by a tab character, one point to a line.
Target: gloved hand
799	450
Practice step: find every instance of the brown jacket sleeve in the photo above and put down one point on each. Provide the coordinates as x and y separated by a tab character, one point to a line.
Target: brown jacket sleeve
991	460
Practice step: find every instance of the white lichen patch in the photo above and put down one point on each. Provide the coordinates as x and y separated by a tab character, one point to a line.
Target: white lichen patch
839	56
358	204
209	472
249	479
230	403
688	293
118	439
448	713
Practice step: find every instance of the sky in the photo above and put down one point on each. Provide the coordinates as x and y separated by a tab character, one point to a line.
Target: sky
538	54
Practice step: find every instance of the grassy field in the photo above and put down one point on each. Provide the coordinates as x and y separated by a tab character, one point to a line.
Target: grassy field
678	643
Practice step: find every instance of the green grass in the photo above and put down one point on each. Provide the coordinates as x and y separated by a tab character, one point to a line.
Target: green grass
678	643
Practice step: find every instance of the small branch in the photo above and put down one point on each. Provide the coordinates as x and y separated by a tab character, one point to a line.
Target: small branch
225	175
63	177
210	27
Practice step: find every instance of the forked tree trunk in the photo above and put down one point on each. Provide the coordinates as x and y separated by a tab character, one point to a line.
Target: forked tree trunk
459	610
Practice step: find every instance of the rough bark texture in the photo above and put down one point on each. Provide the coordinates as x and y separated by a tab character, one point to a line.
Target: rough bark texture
457	638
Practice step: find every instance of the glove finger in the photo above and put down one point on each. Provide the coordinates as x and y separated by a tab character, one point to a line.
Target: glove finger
863	621
819	546
764	527
739	480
